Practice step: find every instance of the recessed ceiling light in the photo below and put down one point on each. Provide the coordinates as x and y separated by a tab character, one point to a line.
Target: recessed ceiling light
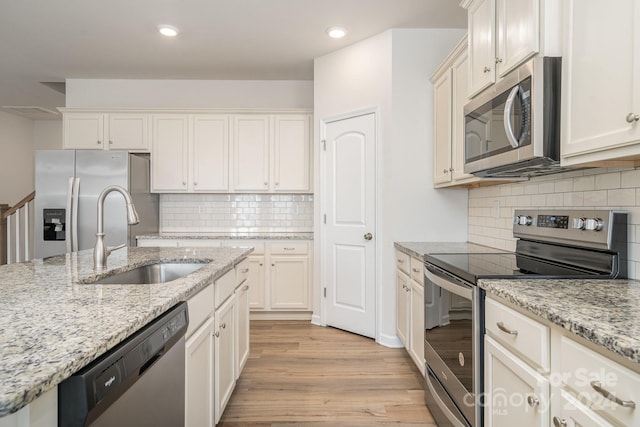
168	30
336	32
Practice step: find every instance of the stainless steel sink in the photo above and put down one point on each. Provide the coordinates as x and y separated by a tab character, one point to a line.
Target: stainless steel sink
154	273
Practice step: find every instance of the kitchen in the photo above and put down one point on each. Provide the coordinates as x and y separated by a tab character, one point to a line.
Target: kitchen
479	215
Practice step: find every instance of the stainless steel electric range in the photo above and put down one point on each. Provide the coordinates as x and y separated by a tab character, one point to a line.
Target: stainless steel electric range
551	244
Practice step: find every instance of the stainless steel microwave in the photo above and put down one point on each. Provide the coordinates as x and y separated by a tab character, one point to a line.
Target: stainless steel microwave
512	129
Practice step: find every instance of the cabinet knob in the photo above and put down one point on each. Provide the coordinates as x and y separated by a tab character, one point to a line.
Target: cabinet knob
632	117
246	288
195	183
260	264
273	265
533	401
486	70
266	183
110	142
445	170
498	60
184	182
416	270
223	326
217	334
559	422
245	270
277	183
99	142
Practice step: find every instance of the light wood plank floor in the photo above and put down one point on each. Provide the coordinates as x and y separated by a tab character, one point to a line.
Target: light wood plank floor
301	374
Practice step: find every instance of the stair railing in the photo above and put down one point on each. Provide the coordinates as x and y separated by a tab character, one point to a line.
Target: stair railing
16	231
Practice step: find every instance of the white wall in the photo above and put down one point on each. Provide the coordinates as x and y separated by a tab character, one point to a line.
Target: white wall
47	134
390	73
16	158
123	93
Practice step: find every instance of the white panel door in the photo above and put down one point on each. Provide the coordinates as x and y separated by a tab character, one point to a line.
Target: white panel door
291	153
481	45
442	129
128	132
518	23
256	281
289	282
251	153
84	131
199	377
349	272
210	164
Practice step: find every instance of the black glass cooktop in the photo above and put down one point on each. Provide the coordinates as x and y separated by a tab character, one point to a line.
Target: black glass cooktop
474	266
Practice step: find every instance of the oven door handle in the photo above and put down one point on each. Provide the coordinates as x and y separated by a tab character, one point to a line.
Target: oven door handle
508	109
454	288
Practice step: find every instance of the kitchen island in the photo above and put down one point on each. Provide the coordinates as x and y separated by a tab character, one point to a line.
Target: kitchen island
52	325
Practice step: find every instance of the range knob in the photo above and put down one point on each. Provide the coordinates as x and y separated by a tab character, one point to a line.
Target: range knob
593	224
523	220
578	223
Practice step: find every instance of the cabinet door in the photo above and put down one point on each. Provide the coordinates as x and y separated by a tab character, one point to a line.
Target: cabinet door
289	282
442	129
199	377
210	155
416	342
600	79
518	37
515	394
291	153
224	373
402	307
84	131
459	97
251	153
481	45
256	282
128	132
242	326
169	156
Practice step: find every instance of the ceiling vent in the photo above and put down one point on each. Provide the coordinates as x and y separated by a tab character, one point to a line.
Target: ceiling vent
33	113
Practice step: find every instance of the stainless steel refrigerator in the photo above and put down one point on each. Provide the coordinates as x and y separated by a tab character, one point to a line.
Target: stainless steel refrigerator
68	183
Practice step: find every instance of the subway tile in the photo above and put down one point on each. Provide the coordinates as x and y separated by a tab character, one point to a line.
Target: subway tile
621	197
584	183
607	181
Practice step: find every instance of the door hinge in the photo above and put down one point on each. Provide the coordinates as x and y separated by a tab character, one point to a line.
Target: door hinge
324	145
325	218
325	292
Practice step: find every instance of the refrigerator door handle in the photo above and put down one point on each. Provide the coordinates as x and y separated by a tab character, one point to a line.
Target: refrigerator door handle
74	217
67	226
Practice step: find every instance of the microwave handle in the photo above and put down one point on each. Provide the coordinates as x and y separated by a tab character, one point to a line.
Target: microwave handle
508	109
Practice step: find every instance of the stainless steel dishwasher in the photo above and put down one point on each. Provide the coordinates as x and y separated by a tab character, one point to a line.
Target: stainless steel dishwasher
138	383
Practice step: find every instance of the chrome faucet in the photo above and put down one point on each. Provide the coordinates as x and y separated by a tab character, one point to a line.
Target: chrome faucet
100	252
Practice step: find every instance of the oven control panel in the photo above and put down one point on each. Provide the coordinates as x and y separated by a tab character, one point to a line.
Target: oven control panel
591	228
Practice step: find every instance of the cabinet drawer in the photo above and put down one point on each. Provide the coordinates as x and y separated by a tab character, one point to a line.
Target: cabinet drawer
242	271
417	270
519	333
289	248
582	369
572	413
257	245
224	287
200	308
403	261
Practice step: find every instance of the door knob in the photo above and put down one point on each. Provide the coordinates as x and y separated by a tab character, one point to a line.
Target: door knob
368	236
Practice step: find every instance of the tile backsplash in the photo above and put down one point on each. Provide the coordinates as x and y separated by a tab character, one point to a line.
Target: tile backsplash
236	213
491	208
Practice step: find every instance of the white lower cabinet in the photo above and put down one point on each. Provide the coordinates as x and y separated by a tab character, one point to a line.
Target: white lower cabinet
256	280
410	306
242	320
224	355
516	395
538	374
199	377
289	282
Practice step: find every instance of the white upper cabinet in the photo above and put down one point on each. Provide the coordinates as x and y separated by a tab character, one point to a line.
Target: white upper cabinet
190	153
600	81
251	153
505	33
100	131
271	153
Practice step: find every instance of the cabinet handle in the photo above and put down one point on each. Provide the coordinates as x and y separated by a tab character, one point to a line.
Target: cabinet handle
245	270
217	334
110	142
451	169
289	249
632	118
246	288
597	386
273	265
559	422
533	401
498	60
223	326
486	70
503	328
260	264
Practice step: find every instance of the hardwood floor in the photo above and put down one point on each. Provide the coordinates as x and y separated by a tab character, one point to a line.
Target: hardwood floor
301	374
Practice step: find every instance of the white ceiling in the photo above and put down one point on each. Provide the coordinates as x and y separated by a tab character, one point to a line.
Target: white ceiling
50	40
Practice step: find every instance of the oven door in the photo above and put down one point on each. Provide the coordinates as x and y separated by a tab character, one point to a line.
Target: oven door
453	332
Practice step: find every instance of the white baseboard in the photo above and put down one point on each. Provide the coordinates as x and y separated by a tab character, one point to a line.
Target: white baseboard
315	320
280	315
391	341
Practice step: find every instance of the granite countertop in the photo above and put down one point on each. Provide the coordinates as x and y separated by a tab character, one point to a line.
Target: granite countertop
52	326
233	235
420	249
605	312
